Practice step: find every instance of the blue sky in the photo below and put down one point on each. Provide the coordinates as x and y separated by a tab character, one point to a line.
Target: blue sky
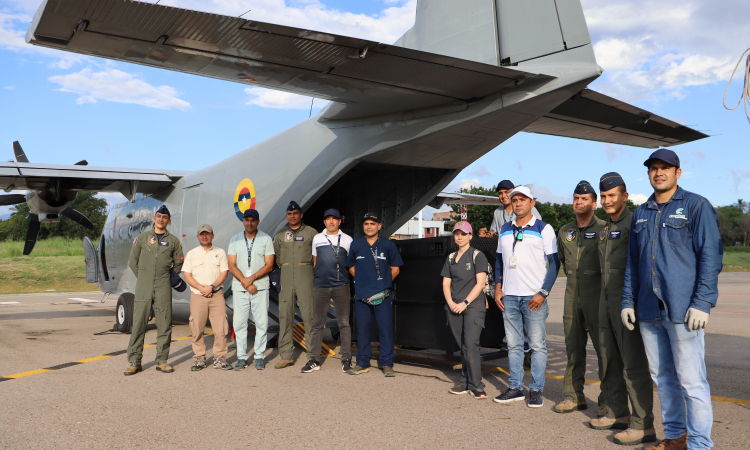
673	59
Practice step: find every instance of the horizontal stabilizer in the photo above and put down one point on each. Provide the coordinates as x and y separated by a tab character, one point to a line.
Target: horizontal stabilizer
596	117
368	77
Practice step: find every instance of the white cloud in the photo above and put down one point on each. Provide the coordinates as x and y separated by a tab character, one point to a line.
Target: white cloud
638	198
12	32
654	50
10	88
480	171
120	87
544	195
698	154
612	151
268	98
739	176
465	184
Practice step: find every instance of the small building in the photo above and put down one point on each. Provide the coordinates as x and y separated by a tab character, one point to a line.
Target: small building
446	216
410	230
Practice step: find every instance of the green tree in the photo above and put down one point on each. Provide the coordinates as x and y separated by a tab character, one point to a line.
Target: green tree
479	216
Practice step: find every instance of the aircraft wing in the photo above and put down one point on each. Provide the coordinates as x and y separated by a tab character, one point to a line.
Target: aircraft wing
27	176
596	117
366	77
459	198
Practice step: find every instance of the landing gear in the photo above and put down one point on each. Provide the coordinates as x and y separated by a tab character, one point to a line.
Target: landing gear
124	312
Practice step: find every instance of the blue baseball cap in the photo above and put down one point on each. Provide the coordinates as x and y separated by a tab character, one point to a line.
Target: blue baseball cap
666	155
505	184
177	283
332	212
293	206
251	213
584	187
609	181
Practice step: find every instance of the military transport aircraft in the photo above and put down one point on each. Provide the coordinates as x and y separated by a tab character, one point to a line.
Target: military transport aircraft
404	118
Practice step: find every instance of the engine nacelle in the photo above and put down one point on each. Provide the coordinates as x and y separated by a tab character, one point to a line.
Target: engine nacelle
47	205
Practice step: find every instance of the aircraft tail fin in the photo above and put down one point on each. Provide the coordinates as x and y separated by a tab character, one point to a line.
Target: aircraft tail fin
498	32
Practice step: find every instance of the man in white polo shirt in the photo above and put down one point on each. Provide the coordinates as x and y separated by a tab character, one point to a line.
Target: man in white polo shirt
526	247
205	270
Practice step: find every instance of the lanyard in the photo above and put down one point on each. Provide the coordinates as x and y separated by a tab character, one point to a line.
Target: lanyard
517	236
336	255
375	257
249	250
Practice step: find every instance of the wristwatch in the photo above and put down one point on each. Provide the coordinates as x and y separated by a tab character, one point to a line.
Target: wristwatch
544	293
466	301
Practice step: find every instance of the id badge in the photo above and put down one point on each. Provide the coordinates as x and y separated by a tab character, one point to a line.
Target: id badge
248	273
513	262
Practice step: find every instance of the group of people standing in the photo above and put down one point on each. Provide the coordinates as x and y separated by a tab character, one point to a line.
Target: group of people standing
640	284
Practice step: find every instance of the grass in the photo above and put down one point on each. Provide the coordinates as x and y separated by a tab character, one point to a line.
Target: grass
55	264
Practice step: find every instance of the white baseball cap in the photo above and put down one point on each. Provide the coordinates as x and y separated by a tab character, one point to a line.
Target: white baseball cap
521	190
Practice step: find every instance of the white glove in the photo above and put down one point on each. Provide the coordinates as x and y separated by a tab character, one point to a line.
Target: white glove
696	319
628	318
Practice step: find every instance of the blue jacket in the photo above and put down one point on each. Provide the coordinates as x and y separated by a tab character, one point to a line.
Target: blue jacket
674	255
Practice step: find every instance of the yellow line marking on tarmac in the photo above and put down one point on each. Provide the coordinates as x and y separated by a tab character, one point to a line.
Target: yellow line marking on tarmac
30	372
95	358
735	401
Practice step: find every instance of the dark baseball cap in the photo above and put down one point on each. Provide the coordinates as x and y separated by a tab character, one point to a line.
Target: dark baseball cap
372	216
505	184
666	155
251	213
332	212
293	206
584	187
177	283
610	180
164	210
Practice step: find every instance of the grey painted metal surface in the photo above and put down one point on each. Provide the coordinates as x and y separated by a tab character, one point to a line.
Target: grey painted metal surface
404	119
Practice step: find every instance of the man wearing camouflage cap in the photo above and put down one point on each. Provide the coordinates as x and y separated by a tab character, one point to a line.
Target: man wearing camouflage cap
155	254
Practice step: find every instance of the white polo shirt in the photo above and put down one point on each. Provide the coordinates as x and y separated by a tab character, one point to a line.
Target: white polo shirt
539	240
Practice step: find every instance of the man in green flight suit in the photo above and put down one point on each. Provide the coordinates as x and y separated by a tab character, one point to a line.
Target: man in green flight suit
625	371
293	247
154	256
577	248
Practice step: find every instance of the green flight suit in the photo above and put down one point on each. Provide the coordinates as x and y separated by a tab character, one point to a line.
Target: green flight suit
576	248
151	261
294	256
624	364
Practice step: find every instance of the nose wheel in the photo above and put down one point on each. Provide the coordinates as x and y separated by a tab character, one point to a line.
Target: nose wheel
124	312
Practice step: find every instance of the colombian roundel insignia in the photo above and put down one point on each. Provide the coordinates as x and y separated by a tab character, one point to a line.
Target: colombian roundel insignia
244	197
570	235
603	234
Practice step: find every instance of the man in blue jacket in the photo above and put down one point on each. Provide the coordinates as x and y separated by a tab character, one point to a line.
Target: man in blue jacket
671	284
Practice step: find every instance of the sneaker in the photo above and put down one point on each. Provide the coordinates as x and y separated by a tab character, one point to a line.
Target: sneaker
259	364
388	371
357	370
166	368
311	366
221	363
535	399
511	395
458	390
478	394
132	370
199	364
635	437
346	365
606	423
568	406
241	364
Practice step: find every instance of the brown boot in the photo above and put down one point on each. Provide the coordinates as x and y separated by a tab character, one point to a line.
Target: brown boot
568	406
606	423
670	444
132	370
603	411
166	368
634	437
283	363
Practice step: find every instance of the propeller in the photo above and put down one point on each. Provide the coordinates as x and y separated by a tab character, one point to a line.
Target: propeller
12	199
32	234
34	224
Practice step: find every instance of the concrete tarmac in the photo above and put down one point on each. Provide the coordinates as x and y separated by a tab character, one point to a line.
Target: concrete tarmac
86	402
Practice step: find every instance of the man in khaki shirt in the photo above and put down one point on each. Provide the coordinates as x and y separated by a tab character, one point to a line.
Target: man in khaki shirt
205	269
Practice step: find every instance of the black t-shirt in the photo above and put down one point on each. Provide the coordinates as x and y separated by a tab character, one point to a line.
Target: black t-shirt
463	274
159	236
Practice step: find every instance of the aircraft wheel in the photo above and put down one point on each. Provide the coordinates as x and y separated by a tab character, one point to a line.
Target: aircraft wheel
124	312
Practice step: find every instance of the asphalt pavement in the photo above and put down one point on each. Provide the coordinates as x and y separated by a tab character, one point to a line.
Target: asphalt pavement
62	387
